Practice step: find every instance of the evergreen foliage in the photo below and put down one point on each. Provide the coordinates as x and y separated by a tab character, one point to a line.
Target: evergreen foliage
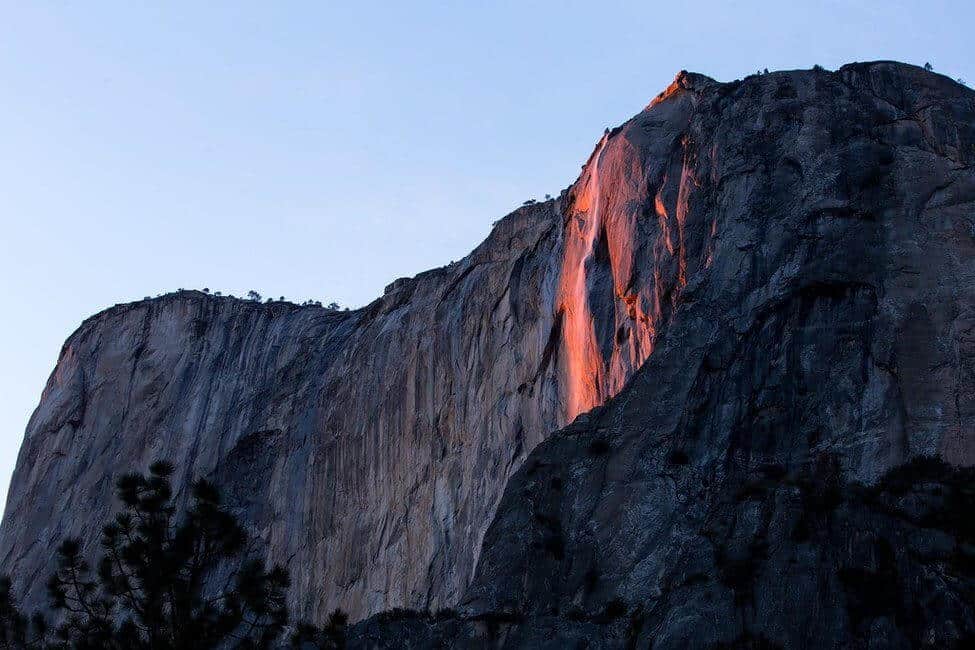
165	581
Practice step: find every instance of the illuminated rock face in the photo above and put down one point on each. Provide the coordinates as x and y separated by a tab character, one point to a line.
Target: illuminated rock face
628	246
775	254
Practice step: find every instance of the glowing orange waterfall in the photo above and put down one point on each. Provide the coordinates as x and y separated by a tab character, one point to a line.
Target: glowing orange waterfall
634	287
603	215
583	365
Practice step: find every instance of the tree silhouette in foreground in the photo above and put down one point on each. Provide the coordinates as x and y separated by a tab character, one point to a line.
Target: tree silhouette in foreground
332	636
163	583
16	631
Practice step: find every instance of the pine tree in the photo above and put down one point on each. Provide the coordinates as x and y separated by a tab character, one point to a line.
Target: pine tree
16	631
164	583
330	637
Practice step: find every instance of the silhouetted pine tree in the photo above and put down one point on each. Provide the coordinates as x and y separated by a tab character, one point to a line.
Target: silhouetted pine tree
330	637
164	583
16	631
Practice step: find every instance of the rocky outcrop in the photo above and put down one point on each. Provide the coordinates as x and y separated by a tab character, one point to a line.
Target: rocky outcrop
740	490
774	275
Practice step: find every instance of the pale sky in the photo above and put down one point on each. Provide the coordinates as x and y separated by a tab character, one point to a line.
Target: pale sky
317	150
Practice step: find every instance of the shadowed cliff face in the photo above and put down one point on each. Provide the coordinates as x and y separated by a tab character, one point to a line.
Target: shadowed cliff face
786	260
819	315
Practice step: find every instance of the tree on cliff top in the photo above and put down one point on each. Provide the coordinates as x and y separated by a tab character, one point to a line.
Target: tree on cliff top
163	582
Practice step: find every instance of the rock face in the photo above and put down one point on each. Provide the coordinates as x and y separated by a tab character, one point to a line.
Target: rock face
774	276
736	491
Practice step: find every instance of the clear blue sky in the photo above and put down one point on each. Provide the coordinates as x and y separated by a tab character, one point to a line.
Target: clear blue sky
314	151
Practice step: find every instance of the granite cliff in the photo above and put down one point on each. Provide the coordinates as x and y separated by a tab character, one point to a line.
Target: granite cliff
791	466
759	297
